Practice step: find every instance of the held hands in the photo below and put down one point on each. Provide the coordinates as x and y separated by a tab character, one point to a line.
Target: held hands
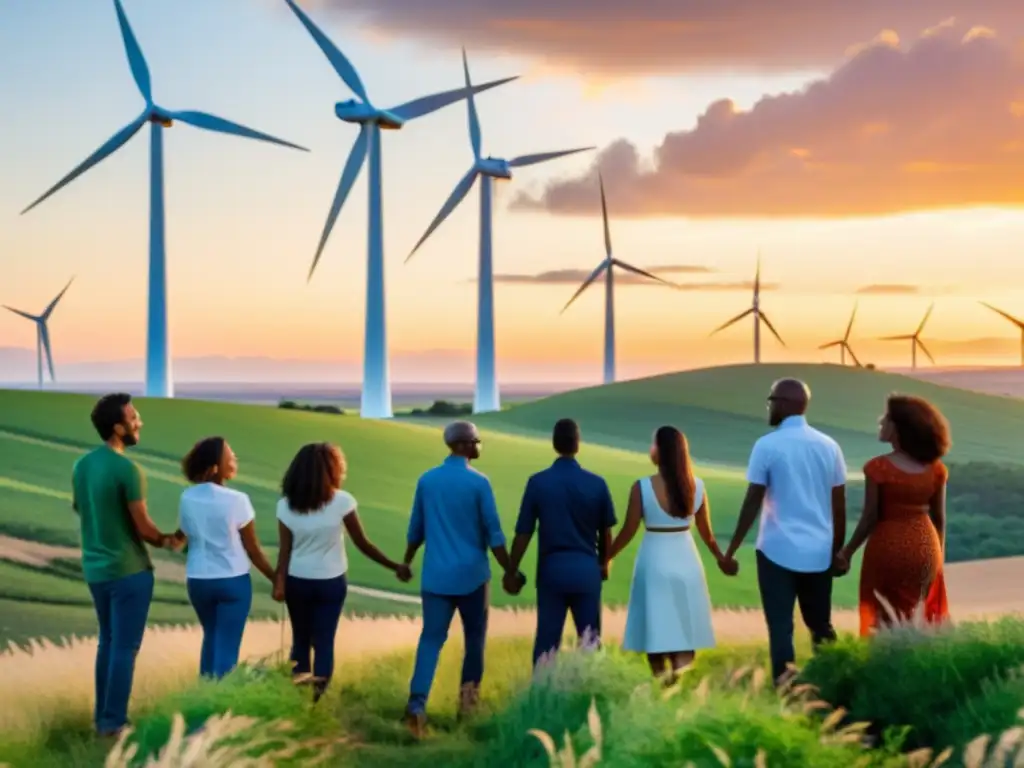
606	570
841	563
175	541
278	593
513	582
404	573
728	565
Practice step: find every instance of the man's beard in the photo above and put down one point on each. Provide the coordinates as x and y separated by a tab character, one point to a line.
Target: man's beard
130	439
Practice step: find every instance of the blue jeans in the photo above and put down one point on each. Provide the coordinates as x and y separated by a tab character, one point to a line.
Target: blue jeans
314	609
222	606
122	608
566	583
438	612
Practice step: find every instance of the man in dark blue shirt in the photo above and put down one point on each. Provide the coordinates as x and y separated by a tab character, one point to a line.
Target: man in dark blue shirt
574	512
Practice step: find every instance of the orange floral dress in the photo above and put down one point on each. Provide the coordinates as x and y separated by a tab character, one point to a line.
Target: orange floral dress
903	554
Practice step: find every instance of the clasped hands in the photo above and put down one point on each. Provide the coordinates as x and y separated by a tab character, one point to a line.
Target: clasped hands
840	563
728	564
513	581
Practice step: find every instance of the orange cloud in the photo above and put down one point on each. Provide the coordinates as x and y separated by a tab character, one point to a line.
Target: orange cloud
888	289
646	36
934	125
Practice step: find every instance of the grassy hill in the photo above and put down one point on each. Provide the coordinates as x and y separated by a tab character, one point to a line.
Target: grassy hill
723	411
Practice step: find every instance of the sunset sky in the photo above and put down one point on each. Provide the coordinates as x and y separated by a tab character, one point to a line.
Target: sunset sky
868	151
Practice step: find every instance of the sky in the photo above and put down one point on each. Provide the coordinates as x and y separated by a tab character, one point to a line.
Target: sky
868	152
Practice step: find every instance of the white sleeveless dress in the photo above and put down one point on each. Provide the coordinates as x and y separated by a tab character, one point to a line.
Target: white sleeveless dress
669	604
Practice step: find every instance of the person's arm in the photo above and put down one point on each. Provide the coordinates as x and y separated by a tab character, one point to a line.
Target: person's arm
251	543
634	513
354	527
839	502
867	522
492	527
284	556
757	488
937	513
135	494
74	497
702	519
526	524
416	533
604	533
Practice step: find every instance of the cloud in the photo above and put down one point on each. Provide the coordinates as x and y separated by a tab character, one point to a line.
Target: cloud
645	36
888	289
936	124
577	276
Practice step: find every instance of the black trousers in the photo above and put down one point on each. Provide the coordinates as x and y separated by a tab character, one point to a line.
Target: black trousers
781	591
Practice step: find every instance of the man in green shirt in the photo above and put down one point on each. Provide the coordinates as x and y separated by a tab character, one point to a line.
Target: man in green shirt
109	495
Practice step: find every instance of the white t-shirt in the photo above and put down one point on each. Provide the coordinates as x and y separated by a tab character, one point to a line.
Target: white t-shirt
212	516
799	466
318	538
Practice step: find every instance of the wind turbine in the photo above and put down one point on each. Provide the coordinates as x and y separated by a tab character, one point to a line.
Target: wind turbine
758	315
844	343
43	333
376	391
607	268
158	358
915	340
486	169
1015	321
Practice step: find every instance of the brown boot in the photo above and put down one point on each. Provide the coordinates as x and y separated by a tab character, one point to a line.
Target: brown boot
416	722
469	700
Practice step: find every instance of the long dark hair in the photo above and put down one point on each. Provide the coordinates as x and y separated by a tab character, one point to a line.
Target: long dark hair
674	468
205	456
922	432
314	475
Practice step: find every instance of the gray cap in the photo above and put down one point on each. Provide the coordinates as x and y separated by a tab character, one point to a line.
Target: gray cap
461	432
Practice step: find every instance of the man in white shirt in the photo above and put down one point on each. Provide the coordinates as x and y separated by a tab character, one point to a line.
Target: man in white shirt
797	481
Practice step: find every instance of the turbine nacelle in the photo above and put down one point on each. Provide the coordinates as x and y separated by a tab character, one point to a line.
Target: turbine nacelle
160	116
495	167
355	111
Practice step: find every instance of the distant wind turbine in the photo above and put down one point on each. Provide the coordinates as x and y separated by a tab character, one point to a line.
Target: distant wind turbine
1015	321
844	343
486	169
915	340
43	333
607	268
758	315
376	389
158	358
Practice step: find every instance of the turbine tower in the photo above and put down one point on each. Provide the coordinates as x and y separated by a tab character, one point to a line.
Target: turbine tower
376	390
486	169
915	340
158	355
758	315
1015	321
43	333
844	343
607	267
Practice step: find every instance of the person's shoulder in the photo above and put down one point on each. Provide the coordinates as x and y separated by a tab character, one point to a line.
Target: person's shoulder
478	477
232	494
343	501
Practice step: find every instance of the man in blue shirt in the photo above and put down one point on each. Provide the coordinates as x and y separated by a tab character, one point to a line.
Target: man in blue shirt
454	514
575	514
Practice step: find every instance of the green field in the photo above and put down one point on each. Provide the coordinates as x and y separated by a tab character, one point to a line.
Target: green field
721	410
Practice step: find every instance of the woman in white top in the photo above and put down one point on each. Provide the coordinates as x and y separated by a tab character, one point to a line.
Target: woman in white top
669	616
219	524
313	516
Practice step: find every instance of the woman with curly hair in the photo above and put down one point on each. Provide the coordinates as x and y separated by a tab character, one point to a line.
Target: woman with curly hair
904	518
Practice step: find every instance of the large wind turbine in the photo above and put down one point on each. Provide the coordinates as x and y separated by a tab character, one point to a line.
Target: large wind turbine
844	343
158	358
1015	321
43	333
376	391
758	315
607	268
915	340
486	169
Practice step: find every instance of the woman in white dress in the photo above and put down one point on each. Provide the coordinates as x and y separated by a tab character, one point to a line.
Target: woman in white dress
669	615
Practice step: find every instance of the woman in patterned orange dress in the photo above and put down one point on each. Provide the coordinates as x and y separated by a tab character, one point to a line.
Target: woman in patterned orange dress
904	518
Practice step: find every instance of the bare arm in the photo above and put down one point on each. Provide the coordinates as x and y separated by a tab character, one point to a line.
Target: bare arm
702	519
519	546
634	513
868	519
284	552
838	517
937	513
144	524
255	552
526	524
748	514
417	528
354	526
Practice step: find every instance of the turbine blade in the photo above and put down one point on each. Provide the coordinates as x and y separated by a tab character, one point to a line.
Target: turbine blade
44	336
904	337
642	273
757	276
140	70
604	215
925	319
427	104
586	283
849	350
766	321
543	157
26	315
353	165
52	305
849	326
925	350
456	197
113	144
734	320
209	122
831	344
474	119
1011	318
338	60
